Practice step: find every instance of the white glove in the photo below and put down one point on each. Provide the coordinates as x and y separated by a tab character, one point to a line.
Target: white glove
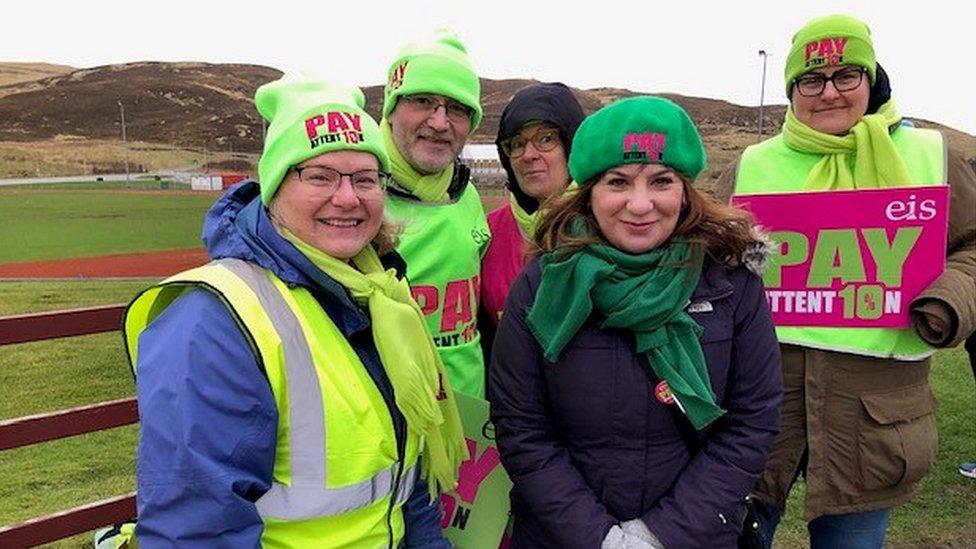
632	534
637	529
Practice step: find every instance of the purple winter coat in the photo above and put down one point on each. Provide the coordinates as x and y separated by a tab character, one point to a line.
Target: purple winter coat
588	445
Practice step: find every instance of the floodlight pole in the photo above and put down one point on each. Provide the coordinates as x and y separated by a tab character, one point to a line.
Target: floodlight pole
762	93
125	144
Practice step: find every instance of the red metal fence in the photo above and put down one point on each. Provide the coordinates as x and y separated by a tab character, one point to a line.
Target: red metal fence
24	431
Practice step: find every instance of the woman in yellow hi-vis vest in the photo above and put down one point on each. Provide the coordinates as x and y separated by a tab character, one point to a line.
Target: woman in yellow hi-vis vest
857	414
289	391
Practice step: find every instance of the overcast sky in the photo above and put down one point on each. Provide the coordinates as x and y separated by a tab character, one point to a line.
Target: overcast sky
690	47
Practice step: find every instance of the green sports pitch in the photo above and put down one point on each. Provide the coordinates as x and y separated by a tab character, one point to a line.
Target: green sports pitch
77	220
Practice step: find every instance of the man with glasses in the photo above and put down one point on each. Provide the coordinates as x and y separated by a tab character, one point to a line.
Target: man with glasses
857	413
431	105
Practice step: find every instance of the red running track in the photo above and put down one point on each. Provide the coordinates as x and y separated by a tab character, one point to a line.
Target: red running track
147	264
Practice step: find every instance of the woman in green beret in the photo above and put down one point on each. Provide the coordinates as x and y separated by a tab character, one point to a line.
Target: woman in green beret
635	372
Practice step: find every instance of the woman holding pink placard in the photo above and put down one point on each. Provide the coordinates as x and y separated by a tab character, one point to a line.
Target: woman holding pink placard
858	409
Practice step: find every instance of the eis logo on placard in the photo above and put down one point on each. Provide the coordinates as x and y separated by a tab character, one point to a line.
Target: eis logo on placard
825	52
645	147
338	126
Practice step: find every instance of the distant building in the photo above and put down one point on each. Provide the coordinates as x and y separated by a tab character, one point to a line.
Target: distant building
215	182
482	158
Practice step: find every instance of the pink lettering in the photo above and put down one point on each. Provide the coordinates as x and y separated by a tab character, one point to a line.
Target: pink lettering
354	119
653	143
630	140
337	122
810	48
426	297
839	45
476	285
396	76
448	504
473	472
457	305
826	48
312	124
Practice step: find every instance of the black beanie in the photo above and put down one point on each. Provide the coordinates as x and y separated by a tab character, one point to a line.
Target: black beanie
880	91
550	102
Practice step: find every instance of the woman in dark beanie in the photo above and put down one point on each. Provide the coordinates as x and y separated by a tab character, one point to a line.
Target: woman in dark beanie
858	410
635	379
535	136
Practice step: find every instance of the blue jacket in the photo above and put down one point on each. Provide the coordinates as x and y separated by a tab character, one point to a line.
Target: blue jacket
208	418
588	445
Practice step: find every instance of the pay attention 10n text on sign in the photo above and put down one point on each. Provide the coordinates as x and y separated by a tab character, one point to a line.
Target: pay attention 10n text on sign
851	258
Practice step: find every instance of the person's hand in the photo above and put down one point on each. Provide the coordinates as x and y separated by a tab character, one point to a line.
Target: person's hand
639	531
632	534
934	324
931	318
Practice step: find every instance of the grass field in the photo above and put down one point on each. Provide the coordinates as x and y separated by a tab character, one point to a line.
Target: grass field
41	224
45	376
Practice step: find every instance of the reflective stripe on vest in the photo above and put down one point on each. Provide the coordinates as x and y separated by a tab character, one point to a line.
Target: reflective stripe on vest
773	167
308	496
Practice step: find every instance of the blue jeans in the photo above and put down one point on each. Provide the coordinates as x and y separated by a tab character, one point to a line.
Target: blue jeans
851	530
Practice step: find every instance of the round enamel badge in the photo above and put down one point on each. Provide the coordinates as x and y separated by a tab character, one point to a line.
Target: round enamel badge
663	393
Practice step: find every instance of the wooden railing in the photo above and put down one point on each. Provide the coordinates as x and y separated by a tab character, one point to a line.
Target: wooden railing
24	431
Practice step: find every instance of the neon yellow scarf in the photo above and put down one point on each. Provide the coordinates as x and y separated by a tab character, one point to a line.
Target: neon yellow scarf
423	392
429	188
528	222
876	162
525	220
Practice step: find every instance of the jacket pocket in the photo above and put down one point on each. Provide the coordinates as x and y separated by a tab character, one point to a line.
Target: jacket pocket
898	437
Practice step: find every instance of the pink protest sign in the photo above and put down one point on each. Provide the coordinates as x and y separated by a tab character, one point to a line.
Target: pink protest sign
851	258
475	515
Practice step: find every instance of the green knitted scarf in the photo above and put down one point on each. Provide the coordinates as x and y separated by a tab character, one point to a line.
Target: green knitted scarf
645	294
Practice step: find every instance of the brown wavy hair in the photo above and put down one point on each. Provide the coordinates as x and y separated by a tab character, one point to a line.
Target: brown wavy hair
724	232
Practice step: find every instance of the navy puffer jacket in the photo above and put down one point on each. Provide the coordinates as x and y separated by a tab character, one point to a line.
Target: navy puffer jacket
588	444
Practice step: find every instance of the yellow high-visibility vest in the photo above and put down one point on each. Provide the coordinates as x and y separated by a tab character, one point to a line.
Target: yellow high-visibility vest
338	478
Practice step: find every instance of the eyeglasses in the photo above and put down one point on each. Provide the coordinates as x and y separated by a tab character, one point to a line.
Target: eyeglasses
457	113
367	184
543	139
812	85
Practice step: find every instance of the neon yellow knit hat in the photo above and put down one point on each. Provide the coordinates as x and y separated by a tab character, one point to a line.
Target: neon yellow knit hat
439	65
830	41
307	117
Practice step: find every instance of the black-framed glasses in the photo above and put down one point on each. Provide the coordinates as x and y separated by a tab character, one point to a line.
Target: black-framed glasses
543	139
844	80
428	104
367	184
